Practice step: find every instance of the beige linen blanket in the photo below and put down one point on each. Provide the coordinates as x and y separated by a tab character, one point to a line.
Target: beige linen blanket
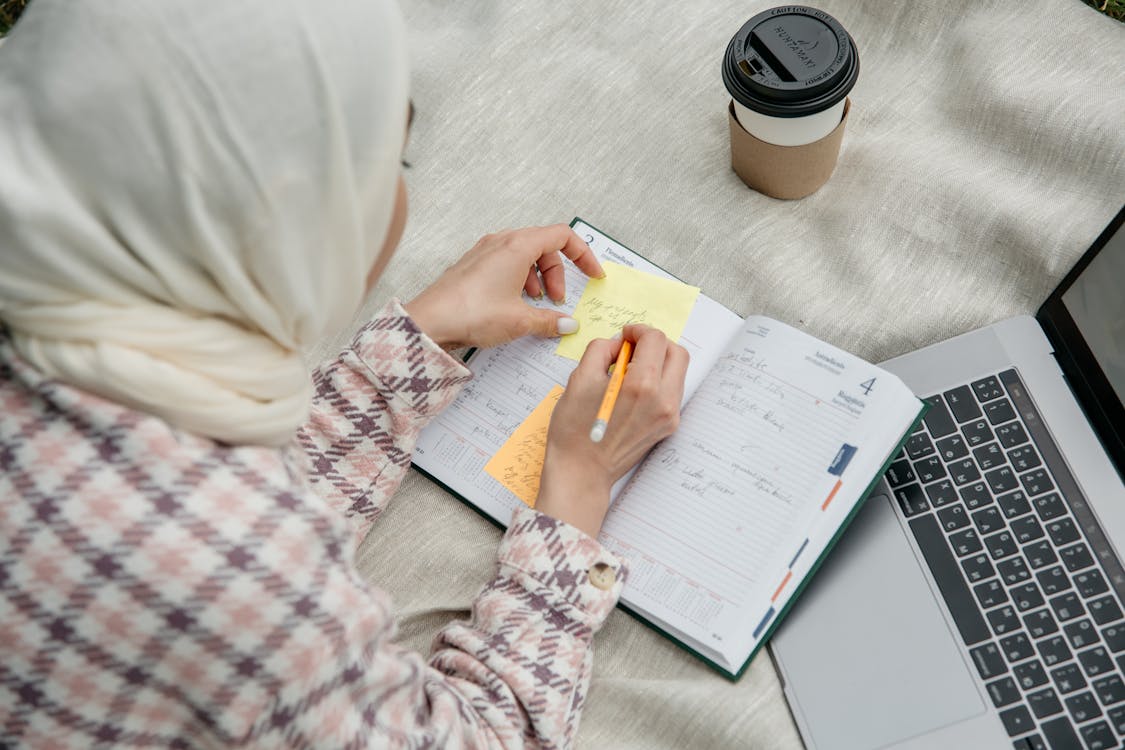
984	151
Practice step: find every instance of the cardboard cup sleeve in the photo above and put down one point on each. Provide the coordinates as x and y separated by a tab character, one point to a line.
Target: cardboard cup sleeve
784	171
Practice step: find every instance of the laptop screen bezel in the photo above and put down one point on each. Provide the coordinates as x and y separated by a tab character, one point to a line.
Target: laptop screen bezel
1091	387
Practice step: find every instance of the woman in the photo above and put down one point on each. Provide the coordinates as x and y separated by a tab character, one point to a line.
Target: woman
192	194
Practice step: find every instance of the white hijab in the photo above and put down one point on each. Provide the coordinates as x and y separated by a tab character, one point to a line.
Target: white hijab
192	194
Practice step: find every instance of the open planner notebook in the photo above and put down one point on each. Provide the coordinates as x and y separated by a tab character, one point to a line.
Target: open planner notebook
781	437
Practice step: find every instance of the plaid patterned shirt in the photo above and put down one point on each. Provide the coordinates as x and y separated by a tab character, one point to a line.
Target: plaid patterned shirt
158	589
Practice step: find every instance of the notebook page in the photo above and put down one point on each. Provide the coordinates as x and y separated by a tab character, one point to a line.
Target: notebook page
511	380
715	516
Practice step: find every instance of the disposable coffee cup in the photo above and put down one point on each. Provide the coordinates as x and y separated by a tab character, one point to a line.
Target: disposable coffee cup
788	71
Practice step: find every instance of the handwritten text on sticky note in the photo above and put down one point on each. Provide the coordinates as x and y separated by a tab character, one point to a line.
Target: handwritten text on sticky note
624	296
519	461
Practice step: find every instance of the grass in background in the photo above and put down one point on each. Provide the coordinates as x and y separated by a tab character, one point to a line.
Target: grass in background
9	11
1112	8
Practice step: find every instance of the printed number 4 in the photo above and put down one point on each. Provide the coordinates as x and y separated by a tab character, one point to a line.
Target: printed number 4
867	385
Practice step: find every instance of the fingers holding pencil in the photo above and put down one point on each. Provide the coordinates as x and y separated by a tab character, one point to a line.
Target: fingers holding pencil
577	469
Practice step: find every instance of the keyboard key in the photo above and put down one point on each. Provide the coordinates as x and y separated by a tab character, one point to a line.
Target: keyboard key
929	469
1117	718
1031	742
1090	583
1067	606
999	411
990	593
1059	733
1036	482
964	471
1049	506
1062	531
1053	580
1040	623
952	448
988	520
1011	435
1095	662
1076	558
1104	609
953	517
1013	570
989	456
1115	637
1044	703
1026	529
911	499
1068	678
1030	675
1004	692
988	660
1002	479
941	493
937	419
943	566
899	473
962	404
976	495
1027	597
1110	690
1082	706
987	389
999	545
965	542
1013	504
1054	650
1004	620
1016	647
1024	458
1098	736
976	433
978	568
1017	720
1040	554
919	445
1081	634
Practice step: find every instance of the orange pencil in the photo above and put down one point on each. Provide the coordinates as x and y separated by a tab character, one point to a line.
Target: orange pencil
597	432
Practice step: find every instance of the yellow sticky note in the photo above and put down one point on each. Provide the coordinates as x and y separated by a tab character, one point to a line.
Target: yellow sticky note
624	296
519	461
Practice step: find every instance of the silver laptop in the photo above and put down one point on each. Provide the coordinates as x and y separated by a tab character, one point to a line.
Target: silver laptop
978	600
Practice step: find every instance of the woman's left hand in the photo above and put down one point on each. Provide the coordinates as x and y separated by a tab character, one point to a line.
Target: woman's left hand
477	301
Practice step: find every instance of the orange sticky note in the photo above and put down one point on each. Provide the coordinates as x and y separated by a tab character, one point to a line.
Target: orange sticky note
519	461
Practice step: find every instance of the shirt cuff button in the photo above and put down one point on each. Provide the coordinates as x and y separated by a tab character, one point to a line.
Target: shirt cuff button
602	576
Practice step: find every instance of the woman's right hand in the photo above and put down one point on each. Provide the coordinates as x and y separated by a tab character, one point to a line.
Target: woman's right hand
577	472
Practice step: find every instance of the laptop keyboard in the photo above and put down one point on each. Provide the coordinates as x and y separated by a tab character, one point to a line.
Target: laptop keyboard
1029	578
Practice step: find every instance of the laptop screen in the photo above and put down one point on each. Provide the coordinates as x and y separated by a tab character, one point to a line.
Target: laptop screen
1096	303
1085	320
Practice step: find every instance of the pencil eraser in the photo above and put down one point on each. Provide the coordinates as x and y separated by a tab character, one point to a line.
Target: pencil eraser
597	432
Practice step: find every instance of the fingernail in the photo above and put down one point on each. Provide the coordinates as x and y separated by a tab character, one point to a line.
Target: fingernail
560	301
567	325
615	336
539	296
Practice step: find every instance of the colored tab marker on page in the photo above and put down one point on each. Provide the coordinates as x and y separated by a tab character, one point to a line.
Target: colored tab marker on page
625	296
519	461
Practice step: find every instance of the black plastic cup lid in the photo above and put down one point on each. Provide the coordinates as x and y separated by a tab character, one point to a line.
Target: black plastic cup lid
790	61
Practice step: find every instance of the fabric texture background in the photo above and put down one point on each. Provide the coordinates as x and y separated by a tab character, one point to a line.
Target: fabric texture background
983	153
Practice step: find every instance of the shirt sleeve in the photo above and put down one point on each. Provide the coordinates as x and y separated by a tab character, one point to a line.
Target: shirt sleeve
369	405
516	674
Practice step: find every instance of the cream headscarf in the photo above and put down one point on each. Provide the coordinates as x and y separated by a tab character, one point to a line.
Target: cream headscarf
192	193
